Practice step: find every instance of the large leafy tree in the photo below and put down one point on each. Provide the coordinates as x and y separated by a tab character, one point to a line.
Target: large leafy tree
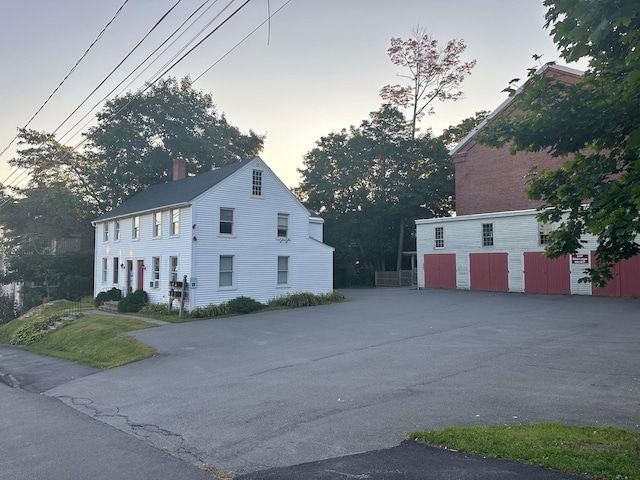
364	180
432	71
138	136
593	124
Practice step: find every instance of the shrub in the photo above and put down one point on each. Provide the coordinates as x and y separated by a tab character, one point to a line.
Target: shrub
133	302
34	330
331	297
244	305
109	295
306	299
8	308
210	311
155	308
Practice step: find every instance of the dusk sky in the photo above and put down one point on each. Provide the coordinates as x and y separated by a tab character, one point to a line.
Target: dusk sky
319	70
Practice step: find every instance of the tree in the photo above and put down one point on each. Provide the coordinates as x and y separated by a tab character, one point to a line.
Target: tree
593	124
455	134
364	180
138	136
434	72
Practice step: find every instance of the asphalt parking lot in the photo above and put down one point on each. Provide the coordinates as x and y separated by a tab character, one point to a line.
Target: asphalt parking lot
287	387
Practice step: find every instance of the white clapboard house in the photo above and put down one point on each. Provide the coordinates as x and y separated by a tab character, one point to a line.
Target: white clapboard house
235	231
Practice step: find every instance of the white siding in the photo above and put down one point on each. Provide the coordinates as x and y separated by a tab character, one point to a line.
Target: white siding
254	243
513	232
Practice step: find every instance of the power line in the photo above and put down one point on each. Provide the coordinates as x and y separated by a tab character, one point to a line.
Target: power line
66	77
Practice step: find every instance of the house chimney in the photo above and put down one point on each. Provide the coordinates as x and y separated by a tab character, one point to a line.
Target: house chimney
179	168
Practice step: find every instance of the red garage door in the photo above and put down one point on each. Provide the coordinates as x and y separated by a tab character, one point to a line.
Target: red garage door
546	275
625	281
440	270
489	271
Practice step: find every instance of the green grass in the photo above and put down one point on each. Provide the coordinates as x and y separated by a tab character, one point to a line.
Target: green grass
96	340
603	453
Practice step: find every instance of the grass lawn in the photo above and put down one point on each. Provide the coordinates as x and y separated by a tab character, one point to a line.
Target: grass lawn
602	453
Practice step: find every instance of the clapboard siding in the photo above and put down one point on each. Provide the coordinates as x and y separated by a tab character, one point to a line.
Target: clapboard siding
514	233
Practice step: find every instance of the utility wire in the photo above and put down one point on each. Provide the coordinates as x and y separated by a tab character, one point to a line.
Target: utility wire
64	79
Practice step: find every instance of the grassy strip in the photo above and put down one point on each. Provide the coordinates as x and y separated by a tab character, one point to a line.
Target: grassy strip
604	453
96	340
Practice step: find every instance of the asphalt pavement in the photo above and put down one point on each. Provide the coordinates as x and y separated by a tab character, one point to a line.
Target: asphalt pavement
303	393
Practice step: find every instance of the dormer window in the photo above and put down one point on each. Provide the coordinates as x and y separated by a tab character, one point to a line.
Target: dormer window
256	189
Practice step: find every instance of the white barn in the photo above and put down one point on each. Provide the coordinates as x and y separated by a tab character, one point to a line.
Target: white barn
235	231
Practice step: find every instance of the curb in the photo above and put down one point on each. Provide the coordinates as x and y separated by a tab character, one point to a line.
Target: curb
9	380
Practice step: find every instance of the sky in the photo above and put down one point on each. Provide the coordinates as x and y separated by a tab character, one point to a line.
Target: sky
315	68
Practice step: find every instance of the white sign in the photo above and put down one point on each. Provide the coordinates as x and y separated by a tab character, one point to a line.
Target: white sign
194	282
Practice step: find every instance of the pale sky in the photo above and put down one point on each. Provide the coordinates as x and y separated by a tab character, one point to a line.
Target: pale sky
320	69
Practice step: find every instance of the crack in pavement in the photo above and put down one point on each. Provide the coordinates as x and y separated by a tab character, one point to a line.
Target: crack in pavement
158	437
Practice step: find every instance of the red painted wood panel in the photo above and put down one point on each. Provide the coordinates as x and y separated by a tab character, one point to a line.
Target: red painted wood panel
546	275
625	281
440	270
489	271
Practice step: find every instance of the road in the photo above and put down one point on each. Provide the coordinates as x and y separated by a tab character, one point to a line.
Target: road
286	387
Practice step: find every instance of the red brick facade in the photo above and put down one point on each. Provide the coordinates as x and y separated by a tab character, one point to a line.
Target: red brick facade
492	180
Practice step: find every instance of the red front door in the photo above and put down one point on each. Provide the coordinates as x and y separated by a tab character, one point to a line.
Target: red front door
140	274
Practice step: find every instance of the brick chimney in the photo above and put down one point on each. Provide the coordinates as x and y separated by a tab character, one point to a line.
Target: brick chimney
179	168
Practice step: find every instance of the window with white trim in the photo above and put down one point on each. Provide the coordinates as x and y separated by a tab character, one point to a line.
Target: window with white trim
155	274
175	221
256	189
487	234
438	236
105	232
283	225
543	233
226	271
157	224
283	270
135	230
116	230
226	221
105	267
173	269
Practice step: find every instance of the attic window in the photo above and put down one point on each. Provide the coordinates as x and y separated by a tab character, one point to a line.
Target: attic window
257	183
543	233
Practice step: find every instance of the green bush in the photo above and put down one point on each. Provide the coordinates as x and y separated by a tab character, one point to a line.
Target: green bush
133	302
244	305
34	330
210	311
107	296
155	309
306	299
332	297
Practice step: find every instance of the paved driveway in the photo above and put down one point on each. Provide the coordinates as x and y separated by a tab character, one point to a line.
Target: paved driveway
293	386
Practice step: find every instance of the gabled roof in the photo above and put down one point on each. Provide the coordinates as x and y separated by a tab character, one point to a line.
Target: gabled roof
173	193
507	103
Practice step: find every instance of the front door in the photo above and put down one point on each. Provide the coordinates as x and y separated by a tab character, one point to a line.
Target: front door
129	276
140	274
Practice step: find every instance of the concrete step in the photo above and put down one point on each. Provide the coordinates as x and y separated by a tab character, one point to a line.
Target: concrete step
110	306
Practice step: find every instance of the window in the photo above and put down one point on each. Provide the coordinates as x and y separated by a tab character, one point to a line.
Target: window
283	225
135	232
105	266
543	232
283	270
175	221
116	265
226	221
439	237
157	224
155	275
105	232
487	234
257	183
173	269
226	271
116	230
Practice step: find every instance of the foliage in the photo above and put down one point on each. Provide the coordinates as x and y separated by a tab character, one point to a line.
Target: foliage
210	311
433	72
596	452
244	305
113	294
8	308
455	134
34	329
133	302
37	313
306	299
593	124
96	340
155	309
370	181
